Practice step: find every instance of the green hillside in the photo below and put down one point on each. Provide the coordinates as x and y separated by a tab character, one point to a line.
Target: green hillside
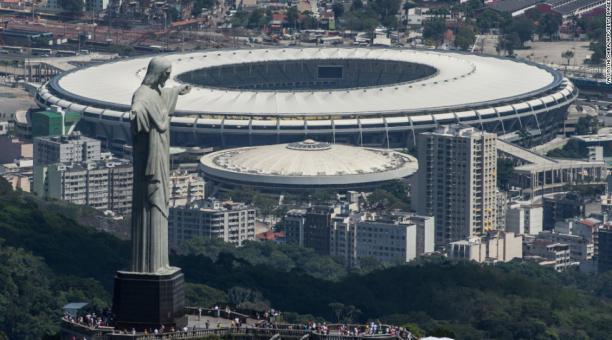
47	259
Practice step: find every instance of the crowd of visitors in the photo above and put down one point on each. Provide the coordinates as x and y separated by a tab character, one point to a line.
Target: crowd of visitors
269	319
91	319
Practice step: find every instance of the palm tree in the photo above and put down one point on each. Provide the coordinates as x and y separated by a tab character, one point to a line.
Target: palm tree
406	7
568	55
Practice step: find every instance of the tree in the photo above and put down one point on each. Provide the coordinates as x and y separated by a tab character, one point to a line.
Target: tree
408	5
257	19
338	9
470	7
356	5
567	55
587	125
508	42
173	14
203	295
240	19
309	21
246	298
572	150
487	20
199	5
523	27
433	30
385	8
369	264
265	205
293	16
548	25
596	28
5	187
28	308
71	6
465	37
337	308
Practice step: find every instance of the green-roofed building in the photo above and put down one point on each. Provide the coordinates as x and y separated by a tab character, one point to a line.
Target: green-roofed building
49	122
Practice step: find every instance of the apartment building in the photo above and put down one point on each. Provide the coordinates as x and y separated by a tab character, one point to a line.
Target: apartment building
456	182
229	221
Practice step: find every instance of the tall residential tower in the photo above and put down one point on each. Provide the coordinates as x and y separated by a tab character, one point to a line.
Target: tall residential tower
456	181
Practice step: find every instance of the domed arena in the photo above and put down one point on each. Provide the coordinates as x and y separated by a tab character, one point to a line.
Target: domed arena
305	165
378	97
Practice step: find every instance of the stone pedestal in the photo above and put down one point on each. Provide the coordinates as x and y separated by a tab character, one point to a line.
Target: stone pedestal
149	300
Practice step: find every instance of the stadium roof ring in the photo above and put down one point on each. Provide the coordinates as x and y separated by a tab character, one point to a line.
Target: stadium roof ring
245	97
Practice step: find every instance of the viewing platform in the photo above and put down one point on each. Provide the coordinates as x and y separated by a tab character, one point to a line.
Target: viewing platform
204	323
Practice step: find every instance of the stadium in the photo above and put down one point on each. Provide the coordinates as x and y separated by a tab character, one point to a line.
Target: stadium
377	97
305	165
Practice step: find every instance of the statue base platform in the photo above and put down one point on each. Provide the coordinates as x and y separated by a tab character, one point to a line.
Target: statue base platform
149	300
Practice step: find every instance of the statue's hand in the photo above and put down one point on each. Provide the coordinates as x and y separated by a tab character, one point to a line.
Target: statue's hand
184	89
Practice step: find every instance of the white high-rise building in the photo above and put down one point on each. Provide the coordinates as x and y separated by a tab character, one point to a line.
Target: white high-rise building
456	182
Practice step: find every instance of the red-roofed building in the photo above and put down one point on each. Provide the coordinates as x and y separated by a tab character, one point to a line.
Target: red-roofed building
276	236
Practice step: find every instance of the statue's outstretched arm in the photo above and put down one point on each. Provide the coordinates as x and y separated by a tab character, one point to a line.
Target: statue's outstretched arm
170	96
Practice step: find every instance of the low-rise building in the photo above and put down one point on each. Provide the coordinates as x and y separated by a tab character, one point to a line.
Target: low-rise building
524	218
18	173
185	188
393	243
229	221
396	238
14	148
588	229
580	249
549	254
492	247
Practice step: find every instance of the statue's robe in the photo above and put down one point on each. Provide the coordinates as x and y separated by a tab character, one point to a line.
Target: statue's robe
150	125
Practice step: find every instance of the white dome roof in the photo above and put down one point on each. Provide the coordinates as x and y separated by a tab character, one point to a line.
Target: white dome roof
308	163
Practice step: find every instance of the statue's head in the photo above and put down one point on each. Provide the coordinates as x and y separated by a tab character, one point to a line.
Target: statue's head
158	72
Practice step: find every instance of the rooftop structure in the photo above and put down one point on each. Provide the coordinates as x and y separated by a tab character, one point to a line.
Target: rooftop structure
539	175
64	149
569	8
515	7
364	96
565	8
306	164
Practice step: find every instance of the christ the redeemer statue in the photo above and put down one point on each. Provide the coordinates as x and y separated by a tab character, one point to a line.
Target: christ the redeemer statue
152	106
151	293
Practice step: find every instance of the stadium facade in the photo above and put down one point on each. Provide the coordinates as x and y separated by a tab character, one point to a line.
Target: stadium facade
362	96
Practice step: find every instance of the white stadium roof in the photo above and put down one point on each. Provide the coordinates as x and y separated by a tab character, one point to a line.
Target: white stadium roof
462	80
308	163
